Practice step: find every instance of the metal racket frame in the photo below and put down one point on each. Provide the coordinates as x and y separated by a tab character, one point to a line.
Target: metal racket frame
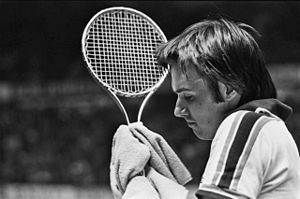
112	91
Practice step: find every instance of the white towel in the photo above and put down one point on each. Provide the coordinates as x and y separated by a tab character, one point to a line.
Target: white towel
154	186
128	158
140	188
135	146
162	157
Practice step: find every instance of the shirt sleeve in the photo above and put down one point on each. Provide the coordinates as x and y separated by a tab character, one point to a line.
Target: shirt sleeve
238	158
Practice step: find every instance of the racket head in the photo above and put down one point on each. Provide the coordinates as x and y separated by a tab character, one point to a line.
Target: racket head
118	45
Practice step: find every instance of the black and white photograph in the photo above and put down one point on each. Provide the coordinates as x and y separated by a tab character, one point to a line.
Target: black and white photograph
149	99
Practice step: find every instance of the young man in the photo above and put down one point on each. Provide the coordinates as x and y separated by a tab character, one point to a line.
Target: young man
226	95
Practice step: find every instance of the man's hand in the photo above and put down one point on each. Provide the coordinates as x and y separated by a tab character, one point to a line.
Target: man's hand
128	158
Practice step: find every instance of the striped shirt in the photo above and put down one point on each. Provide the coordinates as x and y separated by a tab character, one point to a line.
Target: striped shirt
252	155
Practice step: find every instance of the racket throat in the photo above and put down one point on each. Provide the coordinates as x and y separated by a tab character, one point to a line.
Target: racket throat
143	105
120	105
123	110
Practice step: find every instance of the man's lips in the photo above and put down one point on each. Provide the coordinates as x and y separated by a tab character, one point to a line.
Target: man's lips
190	123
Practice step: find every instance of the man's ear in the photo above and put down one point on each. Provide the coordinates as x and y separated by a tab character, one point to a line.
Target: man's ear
229	94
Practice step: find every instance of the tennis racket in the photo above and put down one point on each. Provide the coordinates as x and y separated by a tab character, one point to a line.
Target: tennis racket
118	45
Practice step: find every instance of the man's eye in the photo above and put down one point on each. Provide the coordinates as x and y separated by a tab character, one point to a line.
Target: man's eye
188	97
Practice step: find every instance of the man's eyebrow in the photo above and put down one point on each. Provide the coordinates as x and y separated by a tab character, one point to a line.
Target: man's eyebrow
181	89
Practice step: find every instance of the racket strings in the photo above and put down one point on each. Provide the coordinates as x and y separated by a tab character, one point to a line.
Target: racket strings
120	47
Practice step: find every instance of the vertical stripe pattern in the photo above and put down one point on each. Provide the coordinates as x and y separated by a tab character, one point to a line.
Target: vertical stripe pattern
228	142
237	147
243	133
247	150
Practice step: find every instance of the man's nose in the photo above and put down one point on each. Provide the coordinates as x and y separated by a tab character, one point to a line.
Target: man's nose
180	110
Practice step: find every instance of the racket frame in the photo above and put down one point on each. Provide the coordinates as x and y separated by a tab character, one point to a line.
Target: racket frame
112	91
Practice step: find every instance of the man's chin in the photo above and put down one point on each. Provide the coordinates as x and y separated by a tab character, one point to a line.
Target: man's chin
200	136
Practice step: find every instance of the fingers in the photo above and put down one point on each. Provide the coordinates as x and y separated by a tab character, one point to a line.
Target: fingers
138	126
133	124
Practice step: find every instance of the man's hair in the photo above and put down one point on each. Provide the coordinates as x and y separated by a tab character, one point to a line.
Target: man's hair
222	50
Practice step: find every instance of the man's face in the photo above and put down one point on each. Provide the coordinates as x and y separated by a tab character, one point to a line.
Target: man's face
195	103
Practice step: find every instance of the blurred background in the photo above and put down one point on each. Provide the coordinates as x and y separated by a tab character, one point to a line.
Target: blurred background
56	123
